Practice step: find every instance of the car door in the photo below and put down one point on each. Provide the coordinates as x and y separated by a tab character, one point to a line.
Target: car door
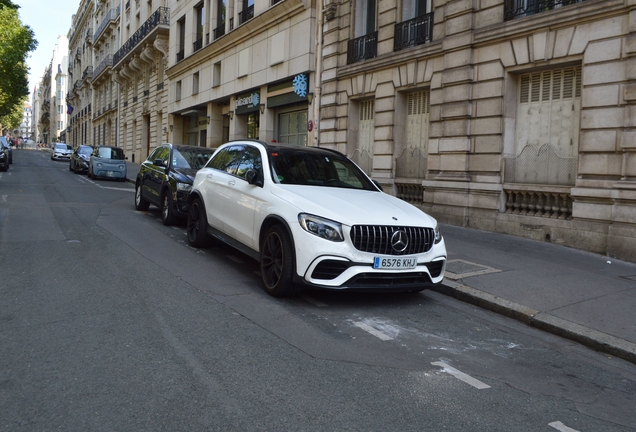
157	172
242	198
220	176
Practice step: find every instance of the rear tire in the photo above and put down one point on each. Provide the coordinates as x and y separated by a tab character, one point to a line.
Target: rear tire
277	263
167	212
140	202
197	225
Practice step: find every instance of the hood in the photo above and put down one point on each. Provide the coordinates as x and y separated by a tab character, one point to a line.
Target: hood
184	175
353	207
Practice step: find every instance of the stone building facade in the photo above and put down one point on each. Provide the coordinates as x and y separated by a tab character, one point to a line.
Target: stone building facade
514	116
138	67
241	69
80	70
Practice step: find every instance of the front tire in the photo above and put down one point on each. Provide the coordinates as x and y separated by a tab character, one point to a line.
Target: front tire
140	202
167	212
277	262
197	225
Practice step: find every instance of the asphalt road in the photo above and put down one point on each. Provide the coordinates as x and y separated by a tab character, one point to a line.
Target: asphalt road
110	321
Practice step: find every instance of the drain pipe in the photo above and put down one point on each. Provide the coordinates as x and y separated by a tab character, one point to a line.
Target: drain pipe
318	71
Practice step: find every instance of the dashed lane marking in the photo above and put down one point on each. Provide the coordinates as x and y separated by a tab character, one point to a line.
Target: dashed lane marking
561	427
377	333
461	376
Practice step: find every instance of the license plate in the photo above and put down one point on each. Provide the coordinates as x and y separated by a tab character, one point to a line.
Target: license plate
394	263
109	173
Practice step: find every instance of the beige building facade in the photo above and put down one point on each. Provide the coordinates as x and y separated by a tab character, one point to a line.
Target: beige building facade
241	69
514	117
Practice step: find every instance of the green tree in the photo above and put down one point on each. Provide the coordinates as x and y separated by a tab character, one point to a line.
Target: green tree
16	42
13	120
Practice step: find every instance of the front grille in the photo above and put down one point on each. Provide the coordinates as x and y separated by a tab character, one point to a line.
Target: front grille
390	281
377	239
435	268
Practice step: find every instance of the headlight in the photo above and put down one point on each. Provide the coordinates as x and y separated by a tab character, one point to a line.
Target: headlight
121	167
438	234
184	187
323	228
99	165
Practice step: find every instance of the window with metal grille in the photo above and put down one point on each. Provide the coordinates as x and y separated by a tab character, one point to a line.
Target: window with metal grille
550	85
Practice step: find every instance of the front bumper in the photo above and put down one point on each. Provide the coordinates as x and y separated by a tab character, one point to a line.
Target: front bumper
108	170
59	156
339	265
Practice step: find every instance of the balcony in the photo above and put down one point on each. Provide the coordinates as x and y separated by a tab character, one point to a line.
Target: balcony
159	20
106	63
197	45
413	32
246	14
362	48
88	73
111	16
521	8
219	31
180	55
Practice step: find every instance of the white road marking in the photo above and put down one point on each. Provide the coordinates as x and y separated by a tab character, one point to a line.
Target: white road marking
367	328
4	198
461	375
235	259
314	302
117	189
561	427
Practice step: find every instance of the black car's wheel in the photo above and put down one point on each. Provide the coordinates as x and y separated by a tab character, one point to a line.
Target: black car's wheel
167	213
140	202
277	262
197	225
70	166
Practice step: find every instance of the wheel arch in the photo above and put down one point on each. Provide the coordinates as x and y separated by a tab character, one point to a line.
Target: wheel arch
269	222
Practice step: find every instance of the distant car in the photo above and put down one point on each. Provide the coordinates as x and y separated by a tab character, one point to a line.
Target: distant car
4	158
165	179
312	218
80	159
108	162
4	142
61	151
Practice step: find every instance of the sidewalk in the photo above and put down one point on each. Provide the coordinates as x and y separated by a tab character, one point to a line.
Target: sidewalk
577	295
132	169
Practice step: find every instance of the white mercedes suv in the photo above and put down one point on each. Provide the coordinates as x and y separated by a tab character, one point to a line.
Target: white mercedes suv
312	218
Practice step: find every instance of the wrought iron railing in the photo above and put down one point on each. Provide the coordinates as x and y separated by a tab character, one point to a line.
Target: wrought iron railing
160	17
108	61
180	55
110	16
413	32
197	45
521	8
231	23
219	31
246	14
364	47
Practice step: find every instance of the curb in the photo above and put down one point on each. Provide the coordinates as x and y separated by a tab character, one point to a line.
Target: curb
594	339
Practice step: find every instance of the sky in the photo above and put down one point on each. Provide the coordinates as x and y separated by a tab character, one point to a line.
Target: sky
48	19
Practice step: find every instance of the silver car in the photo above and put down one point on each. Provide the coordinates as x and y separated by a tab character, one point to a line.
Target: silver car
62	151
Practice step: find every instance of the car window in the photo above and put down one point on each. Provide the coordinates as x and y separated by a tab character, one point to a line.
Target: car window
162	153
190	159
251	160
85	150
294	166
61	147
153	155
110	153
227	159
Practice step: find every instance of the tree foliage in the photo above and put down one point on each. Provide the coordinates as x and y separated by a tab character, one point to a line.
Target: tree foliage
16	42
13	120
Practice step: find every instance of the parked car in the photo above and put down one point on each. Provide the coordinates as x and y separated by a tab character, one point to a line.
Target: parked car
80	159
165	179
4	158
4	142
61	151
109	162
313	219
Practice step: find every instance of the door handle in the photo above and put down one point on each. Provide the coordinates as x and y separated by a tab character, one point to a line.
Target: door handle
231	182
209	176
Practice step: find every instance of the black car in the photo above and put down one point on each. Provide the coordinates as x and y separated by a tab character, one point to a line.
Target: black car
80	159
4	158
5	146
165	179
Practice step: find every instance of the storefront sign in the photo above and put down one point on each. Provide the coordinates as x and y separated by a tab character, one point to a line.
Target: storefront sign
246	103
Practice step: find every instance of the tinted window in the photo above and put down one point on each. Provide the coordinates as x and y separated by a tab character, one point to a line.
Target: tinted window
251	160
194	159
85	150
153	155
227	159
295	166
61	147
110	153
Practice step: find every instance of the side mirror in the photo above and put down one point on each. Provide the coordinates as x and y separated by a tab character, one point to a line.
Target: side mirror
375	182
159	162
252	178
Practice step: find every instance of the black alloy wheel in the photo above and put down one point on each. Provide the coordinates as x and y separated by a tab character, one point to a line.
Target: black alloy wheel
140	202
197	226
167	212
277	263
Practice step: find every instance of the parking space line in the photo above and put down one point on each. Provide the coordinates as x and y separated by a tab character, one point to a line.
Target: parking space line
367	328
461	376
561	427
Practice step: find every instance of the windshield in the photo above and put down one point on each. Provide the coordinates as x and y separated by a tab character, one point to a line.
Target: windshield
61	147
85	150
110	153
189	159
298	167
